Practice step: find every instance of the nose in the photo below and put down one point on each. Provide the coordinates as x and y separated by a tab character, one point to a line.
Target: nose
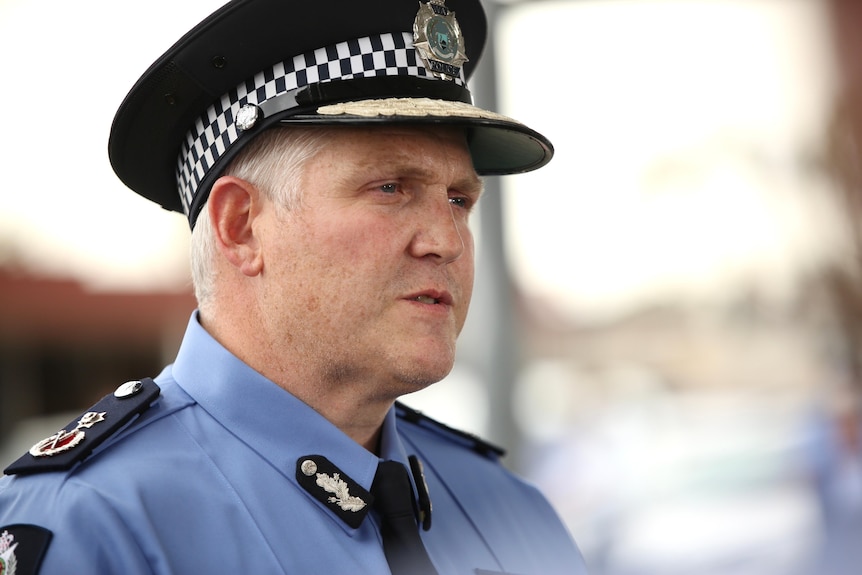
439	231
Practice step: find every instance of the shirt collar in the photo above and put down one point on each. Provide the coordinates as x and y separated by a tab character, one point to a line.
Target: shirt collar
270	420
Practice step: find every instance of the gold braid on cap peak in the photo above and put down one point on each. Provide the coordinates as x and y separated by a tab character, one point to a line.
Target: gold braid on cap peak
410	107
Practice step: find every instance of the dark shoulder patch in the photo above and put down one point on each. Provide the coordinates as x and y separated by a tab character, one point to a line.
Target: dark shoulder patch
22	548
77	440
464	438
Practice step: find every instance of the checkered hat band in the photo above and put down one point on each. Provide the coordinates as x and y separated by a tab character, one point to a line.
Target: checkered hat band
215	131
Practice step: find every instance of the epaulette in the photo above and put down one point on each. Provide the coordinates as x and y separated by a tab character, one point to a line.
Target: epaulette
464	438
76	441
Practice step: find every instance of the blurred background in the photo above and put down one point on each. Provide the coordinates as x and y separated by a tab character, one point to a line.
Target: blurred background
667	327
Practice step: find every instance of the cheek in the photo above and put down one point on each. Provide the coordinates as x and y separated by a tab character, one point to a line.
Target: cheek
329	239
468	258
356	242
467	238
465	266
346	255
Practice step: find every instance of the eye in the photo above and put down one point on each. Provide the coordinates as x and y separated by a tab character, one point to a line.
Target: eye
389	188
461	202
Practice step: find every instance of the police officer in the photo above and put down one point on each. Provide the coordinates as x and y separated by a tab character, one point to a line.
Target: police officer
327	156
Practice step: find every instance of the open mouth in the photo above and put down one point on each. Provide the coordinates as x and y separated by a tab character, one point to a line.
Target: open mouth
426	299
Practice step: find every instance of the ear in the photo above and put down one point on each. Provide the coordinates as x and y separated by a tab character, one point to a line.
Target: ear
233	206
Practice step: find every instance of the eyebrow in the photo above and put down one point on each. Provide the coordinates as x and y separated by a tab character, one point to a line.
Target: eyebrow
474	186
471	183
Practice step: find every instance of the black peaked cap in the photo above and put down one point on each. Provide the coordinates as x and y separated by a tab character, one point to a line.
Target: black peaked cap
245	37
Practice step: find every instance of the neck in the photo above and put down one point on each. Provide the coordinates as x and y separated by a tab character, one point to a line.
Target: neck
347	401
358	417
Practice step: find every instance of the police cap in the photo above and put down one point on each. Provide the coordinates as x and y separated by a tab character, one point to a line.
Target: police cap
254	64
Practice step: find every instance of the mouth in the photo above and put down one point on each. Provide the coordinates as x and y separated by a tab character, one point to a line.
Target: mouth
432	298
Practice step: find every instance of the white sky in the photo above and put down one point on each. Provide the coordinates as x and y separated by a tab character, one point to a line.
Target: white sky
67	67
678	127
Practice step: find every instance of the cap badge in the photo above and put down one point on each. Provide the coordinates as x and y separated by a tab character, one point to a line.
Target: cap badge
437	38
64	440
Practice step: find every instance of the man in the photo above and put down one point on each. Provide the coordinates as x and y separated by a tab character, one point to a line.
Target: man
328	158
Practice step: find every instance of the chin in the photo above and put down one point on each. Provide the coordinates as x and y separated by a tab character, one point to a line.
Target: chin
417	377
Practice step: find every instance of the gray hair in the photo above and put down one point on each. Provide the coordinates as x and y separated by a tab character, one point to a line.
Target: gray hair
273	162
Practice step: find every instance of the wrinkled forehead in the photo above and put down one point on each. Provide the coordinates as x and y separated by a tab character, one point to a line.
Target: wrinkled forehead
437	152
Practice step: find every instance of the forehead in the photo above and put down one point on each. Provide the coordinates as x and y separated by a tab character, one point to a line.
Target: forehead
430	152
387	130
403	140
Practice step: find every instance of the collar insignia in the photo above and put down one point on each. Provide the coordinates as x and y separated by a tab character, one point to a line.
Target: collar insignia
22	548
64	440
335	489
438	40
8	561
337	486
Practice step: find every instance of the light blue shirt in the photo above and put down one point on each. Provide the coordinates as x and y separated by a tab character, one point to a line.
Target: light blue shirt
205	482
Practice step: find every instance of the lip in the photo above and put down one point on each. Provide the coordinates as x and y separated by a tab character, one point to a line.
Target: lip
441	297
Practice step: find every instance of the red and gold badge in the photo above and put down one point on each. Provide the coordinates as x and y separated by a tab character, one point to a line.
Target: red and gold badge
64	440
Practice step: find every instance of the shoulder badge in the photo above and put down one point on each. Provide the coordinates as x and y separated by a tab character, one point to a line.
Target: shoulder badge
22	548
77	440
469	440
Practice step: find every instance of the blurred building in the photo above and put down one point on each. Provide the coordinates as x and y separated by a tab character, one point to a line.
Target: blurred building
63	346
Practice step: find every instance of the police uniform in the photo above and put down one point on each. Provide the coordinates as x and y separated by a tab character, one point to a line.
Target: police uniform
211	467
209	479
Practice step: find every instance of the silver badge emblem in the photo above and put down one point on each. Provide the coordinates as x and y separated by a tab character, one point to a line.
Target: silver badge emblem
247	117
308	467
64	440
340	494
341	491
438	40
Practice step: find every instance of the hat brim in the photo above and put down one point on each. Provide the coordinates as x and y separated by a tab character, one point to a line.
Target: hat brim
498	144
